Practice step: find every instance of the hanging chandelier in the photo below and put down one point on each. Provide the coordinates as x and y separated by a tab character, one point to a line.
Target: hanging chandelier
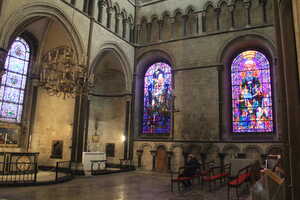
64	74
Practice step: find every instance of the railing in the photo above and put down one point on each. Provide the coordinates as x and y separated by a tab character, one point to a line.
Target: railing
63	171
98	166
18	172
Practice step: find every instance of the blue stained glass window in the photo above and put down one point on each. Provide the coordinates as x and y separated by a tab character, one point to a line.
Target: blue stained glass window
251	93
157	99
13	82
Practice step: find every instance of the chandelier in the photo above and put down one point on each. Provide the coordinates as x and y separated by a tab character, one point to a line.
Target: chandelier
63	73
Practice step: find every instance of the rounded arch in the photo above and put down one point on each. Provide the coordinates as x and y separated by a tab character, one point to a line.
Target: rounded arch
124	14
178	11
27	14
190	9
158	145
120	54
144	61
255	147
208	4
221	2
150	57
154	17
142	146
228	147
116	7
272	148
238	44
165	14
228	52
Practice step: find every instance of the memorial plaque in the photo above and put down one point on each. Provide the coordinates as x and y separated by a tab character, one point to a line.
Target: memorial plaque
57	149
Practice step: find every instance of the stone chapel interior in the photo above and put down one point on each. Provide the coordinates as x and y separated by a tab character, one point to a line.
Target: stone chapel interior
148	82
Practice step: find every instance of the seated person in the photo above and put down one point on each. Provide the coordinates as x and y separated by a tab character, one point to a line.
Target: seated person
190	169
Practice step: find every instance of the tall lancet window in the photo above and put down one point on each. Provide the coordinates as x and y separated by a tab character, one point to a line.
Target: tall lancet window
157	99
252	108
13	82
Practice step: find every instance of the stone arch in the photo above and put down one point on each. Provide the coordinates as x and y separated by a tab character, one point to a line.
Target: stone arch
227	53
154	32
208	4
253	152
225	19
189	9
231	150
144	61
117	7
178	11
178	23
220	2
142	146
166	32
278	149
120	54
166	13
29	13
157	145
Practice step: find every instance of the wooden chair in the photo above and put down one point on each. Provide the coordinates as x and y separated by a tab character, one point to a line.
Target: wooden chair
242	177
217	173
179	180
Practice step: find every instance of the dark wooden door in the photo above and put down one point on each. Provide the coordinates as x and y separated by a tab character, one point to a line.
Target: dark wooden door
161	160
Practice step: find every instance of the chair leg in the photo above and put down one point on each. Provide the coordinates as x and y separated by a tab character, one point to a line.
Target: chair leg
171	186
228	192
237	193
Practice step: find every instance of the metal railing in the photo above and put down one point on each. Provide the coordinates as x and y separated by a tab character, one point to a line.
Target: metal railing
63	171
18	172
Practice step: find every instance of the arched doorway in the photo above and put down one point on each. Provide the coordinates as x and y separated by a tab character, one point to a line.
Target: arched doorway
162	159
109	107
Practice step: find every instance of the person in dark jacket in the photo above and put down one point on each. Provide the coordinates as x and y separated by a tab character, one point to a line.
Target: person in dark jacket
190	169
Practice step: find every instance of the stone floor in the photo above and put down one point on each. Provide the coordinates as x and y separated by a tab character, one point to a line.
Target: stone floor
135	185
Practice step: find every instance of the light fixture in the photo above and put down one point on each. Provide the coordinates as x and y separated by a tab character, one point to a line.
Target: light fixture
64	73
3	55
123	138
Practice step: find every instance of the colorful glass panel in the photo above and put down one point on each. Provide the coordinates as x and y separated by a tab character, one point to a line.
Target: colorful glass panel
13	82
251	93
157	99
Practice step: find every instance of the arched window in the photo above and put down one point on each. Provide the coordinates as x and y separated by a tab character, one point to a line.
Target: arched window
13	82
252	108
157	99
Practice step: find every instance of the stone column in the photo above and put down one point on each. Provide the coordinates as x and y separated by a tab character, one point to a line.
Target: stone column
139	153
247	6
231	9
172	22
222	159
117	23
160	27
124	29
3	55
185	155
153	153
109	12
203	159
218	11
185	21
100	11
148	32
170	155
200	23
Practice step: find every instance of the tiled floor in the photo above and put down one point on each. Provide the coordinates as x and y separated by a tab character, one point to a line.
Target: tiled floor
123	186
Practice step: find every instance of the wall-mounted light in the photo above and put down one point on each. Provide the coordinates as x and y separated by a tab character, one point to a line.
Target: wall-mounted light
123	138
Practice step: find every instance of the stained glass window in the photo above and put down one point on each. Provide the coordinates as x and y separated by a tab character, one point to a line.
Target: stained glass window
13	82
157	99
251	93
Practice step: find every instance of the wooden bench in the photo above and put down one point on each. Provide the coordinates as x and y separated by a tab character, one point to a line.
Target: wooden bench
243	176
